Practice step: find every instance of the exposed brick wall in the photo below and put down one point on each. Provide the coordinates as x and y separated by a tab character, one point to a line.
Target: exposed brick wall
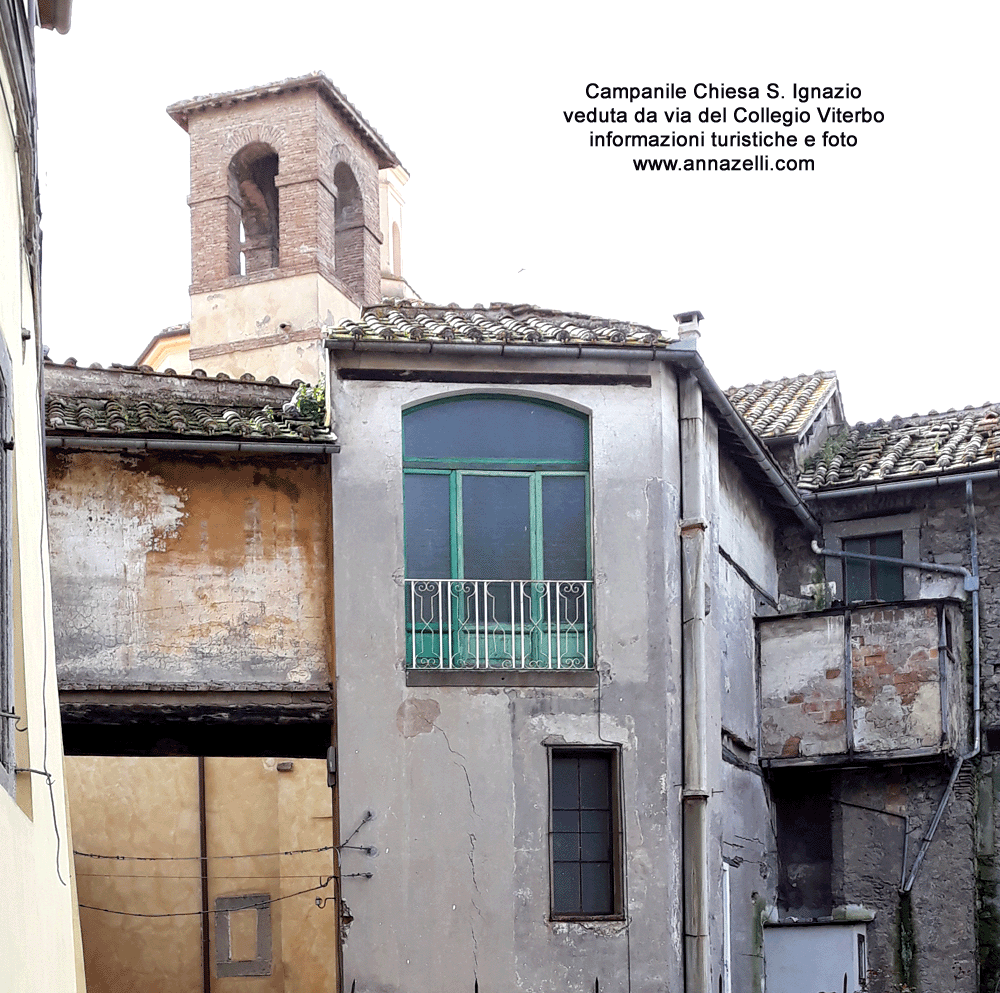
311	140
947	908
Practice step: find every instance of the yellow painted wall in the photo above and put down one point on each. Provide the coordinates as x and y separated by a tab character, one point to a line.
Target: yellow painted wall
149	807
39	937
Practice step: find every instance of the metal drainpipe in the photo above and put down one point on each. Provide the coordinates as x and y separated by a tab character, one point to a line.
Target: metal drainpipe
694	703
206	962
971	584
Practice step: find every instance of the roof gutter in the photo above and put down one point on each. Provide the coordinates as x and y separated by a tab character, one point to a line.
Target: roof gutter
194	445
686	355
683	353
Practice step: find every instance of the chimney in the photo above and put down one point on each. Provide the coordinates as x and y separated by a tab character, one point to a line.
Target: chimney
687	324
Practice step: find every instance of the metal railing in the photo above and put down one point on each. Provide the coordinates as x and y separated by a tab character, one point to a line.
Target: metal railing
499	624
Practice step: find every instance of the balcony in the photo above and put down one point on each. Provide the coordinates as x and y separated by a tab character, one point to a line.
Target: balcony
864	683
499	624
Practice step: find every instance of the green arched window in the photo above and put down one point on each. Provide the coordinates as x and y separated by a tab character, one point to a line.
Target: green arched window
496	494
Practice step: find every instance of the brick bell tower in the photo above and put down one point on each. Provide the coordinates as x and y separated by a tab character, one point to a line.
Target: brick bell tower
290	189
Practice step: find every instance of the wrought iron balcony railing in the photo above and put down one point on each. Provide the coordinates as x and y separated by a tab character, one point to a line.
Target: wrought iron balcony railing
499	624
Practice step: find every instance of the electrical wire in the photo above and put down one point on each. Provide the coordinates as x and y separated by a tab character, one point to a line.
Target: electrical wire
625	873
46	607
201	913
198	858
141	875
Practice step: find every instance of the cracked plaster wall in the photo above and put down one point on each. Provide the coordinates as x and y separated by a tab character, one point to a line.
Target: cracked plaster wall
895	675
458	775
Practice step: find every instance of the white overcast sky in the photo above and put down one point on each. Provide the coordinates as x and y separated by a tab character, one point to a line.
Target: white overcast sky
881	264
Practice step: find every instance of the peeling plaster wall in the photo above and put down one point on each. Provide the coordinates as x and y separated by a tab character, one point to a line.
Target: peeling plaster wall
458	776
954	904
189	569
896	699
802	687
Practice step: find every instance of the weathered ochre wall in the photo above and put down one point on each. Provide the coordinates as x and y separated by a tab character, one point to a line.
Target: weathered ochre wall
254	807
138	807
178	569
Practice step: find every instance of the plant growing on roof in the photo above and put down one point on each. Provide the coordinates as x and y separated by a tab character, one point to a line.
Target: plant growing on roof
309	402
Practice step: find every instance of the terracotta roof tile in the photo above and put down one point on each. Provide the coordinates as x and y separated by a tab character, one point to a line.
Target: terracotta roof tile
783	407
137	403
908	448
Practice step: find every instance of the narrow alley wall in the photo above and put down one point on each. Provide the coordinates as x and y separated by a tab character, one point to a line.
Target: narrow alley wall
268	834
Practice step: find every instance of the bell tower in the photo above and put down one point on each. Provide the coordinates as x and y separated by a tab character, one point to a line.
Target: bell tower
287	184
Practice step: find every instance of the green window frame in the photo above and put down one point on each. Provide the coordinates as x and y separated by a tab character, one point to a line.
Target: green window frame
497	534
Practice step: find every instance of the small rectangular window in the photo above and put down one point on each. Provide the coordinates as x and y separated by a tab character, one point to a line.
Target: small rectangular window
584	833
865	580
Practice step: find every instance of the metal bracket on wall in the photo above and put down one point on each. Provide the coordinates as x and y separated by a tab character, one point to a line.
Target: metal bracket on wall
11	716
367	816
37	772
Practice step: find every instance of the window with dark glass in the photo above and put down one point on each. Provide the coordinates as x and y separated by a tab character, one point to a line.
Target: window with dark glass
583	833
865	579
496	499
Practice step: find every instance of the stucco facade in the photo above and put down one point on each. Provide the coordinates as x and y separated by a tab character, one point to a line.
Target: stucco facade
39	925
455	764
191	559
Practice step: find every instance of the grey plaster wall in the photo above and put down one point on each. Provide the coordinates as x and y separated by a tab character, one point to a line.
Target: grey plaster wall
457	775
744	583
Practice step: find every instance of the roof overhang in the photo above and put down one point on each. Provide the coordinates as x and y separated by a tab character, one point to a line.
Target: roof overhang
55	14
184	110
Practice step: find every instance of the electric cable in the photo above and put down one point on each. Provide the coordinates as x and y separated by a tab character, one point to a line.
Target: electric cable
201	913
198	858
46	609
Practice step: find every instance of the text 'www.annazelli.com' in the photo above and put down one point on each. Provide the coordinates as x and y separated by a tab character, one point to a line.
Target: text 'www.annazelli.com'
759	163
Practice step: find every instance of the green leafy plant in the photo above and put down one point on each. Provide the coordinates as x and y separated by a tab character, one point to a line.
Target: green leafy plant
310	401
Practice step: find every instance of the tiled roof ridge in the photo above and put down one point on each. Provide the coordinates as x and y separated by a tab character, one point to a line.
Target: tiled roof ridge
146	370
505	309
908	447
505	323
